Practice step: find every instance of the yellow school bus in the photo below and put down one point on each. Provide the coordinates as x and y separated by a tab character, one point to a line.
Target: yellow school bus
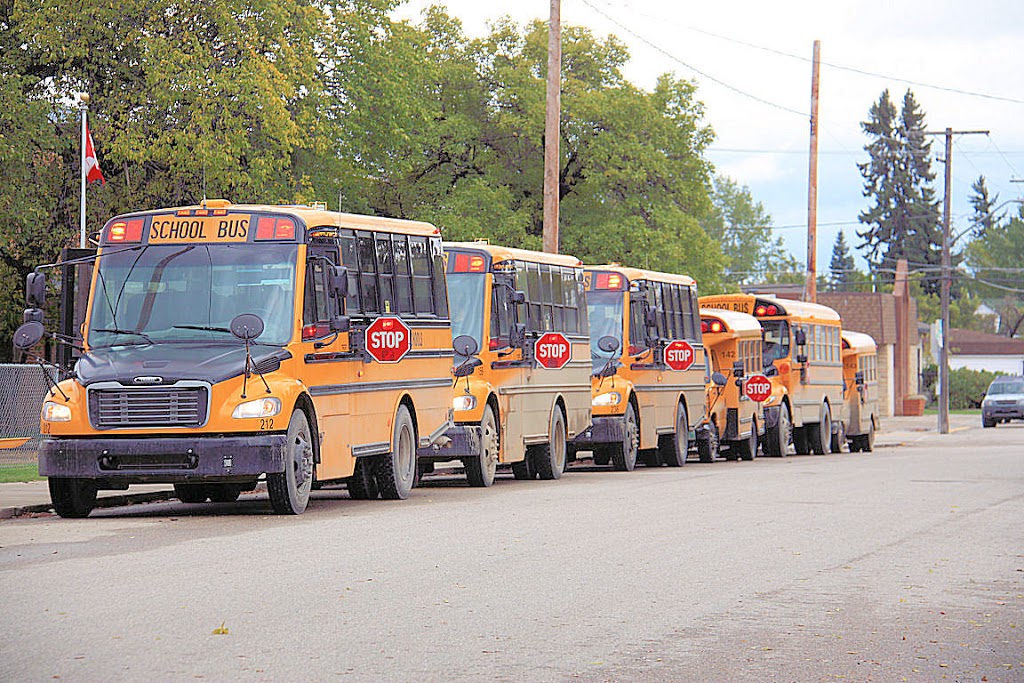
226	342
801	343
734	421
649	367
860	373
522	390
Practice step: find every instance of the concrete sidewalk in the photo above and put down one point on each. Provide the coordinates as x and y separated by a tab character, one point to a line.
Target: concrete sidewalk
34	496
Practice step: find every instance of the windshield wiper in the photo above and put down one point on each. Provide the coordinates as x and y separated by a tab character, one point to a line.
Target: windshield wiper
202	327
116	330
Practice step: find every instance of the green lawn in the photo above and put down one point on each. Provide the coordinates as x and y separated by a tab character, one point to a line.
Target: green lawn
9	473
966	411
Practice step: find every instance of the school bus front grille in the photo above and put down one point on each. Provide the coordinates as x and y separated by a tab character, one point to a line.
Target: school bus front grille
148	407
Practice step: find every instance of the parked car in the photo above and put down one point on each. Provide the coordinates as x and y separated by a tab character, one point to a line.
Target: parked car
1004	401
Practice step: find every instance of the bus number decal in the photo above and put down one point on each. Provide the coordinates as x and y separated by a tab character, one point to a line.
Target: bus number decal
266	423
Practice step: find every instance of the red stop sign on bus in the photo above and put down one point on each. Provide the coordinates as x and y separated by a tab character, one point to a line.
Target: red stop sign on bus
388	339
679	355
552	350
758	388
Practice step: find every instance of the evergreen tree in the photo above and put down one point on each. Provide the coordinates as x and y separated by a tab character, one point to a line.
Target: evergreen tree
982	220
842	266
904	220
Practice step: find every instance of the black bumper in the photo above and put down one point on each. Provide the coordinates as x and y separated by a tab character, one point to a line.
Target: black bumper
164	459
1002	413
602	429
464	442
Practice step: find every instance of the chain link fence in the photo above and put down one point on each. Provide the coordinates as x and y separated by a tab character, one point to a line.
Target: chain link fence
22	391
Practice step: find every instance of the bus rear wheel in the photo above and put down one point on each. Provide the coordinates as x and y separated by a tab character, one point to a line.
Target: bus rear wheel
72	498
800	443
548	460
708	448
481	469
624	454
747	448
289	490
674	449
820	435
838	438
361	485
396	471
776	441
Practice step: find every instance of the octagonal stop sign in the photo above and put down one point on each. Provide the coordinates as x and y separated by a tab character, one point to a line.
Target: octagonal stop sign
758	388
679	355
552	350
388	339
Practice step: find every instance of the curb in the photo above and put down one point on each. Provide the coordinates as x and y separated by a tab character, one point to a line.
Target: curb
102	502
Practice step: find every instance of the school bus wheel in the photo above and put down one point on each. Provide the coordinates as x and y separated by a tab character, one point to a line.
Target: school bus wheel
480	469
72	498
395	472
820	435
674	447
747	448
289	490
707	448
362	485
624	454
548	460
776	439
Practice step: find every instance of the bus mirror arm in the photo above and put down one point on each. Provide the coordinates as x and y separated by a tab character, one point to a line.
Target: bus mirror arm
770	370
467	367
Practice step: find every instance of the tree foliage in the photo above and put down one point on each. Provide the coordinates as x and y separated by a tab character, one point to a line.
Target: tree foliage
996	261
299	100
842	267
903	220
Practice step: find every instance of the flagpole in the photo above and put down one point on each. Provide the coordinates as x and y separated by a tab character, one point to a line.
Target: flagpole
83	104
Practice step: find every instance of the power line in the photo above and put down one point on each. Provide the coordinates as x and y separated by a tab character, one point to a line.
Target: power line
690	66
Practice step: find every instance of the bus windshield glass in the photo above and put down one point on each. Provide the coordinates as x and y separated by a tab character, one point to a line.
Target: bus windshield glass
604	311
190	293
466	305
776	340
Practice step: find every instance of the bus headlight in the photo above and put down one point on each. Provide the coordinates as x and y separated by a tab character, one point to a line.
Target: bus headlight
612	398
56	412
464	402
261	407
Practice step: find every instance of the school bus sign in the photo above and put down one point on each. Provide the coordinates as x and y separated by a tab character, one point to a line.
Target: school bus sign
388	339
679	355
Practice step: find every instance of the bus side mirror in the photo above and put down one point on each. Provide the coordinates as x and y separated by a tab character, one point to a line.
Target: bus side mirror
517	297
800	336
771	371
339	281
517	335
32	315
608	344
341	323
651	318
718	379
801	358
859	378
738	369
35	290
28	335
467	367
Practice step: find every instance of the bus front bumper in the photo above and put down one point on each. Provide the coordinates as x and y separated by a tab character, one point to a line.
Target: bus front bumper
602	429
460	441
164	459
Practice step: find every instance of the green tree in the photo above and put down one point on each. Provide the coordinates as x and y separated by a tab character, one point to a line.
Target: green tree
842	267
903	221
995	260
743	228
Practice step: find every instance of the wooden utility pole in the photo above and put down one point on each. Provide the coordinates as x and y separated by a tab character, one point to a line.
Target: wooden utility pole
552	133
947	276
811	286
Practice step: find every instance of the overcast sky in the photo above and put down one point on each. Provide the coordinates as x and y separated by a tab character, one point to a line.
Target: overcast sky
751	60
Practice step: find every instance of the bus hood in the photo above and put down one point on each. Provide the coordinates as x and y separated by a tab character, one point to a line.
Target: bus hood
163	363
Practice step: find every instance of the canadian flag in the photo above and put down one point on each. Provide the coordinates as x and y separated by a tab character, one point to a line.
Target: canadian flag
92	167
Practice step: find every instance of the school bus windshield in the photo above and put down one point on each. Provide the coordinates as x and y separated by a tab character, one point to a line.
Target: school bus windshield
466	305
776	340
604	310
190	293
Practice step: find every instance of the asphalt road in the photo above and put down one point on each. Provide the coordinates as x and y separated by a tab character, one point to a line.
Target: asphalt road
902	565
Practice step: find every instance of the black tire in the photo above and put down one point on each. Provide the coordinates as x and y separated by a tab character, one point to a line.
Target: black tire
675	449
289	490
521	470
624	454
800	443
868	444
548	460
776	441
747	448
481	470
191	493
602	455
650	457
72	498
819	435
708	448
362	485
838	438
223	493
396	472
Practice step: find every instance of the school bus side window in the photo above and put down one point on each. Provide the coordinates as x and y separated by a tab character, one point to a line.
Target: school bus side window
351	262
440	307
403	274
422	290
